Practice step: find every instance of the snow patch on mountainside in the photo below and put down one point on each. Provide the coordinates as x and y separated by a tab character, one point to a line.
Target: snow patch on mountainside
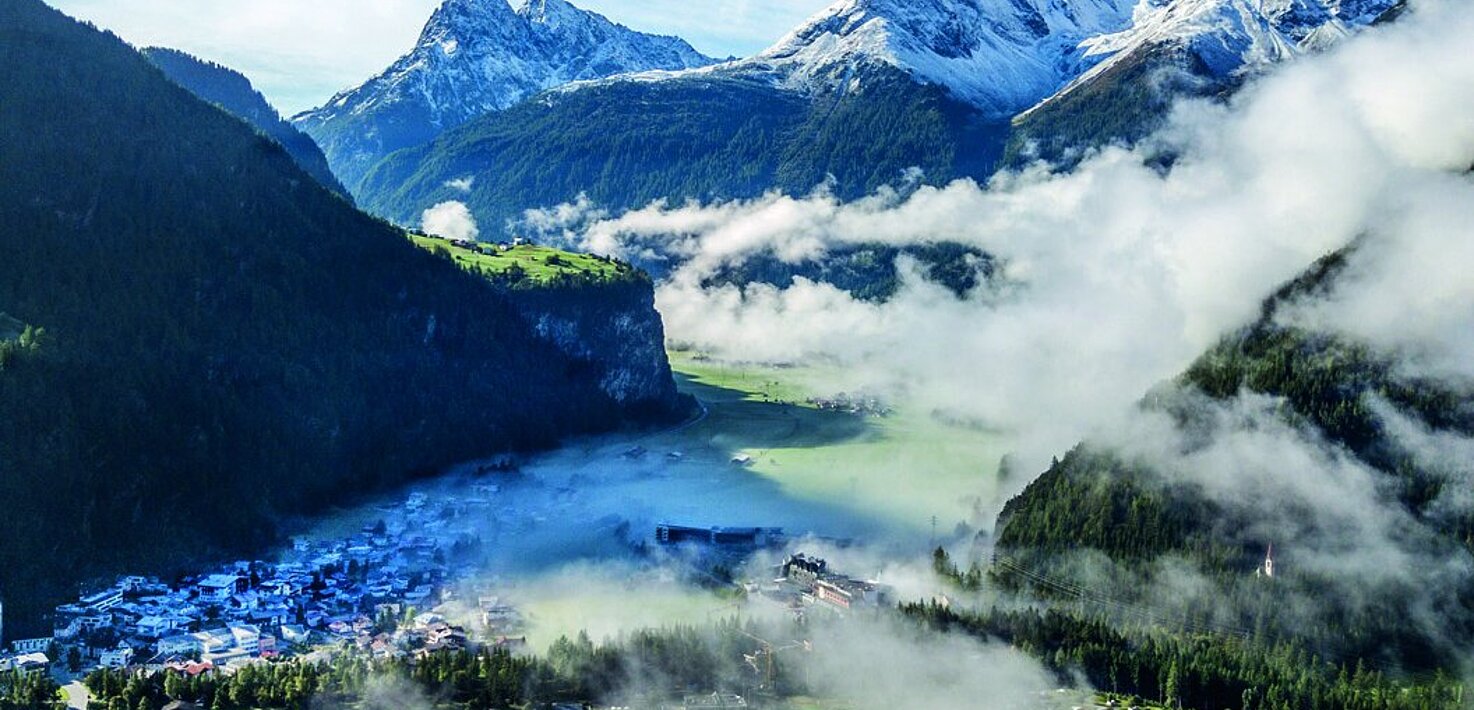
1231	36
1005	56
999	55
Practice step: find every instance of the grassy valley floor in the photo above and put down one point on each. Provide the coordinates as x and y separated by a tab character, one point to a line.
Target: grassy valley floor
904	467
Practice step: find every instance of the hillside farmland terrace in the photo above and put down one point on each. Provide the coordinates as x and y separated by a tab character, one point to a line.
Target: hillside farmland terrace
530	265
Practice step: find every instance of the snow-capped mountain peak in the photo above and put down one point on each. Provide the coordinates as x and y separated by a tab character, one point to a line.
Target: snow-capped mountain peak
476	56
550	12
999	55
1228	37
1004	56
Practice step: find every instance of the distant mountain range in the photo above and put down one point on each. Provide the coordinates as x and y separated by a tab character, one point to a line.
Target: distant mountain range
474	57
857	94
998	56
1174	49
232	91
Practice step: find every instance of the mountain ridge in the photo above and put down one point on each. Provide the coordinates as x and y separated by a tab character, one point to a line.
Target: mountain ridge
473	57
1229	36
1007	57
910	79
935	41
232	91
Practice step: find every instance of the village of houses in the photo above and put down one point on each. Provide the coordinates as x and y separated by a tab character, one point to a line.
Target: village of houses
376	590
395	587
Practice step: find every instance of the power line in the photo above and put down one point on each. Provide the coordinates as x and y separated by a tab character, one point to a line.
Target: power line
1150	617
1145	613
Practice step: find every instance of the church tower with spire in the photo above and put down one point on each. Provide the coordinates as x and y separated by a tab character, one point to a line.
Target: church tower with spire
1266	569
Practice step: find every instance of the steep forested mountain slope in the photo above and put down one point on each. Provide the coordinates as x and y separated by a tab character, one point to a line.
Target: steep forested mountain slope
626	143
1331	391
224	340
477	56
233	92
864	89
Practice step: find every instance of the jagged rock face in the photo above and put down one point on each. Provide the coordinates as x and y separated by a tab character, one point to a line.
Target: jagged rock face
476	56
1173	50
615	329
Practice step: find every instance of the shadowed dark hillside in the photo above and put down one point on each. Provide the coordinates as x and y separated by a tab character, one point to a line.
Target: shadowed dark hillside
221	340
233	92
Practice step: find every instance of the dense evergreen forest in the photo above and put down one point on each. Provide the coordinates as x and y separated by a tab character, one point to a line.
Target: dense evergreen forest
628	143
644	669
1120	106
1138	666
1330	382
1197	671
233	92
20	690
1130	519
213	339
866	271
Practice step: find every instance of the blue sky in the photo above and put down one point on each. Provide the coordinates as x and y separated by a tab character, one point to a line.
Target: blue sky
300	52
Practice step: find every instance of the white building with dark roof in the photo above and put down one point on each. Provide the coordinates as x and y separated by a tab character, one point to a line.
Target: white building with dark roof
220	587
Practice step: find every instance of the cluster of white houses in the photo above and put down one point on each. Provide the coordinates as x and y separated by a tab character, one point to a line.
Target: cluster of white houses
359	590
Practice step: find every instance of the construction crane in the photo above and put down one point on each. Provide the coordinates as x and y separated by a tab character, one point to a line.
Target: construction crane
761	661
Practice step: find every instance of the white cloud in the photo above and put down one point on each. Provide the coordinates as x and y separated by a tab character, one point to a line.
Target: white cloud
462	184
875	664
1123	273
1336	525
1444	454
1407	288
1304	493
451	220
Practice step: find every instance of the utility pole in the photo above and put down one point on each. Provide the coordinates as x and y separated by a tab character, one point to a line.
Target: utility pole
734	606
